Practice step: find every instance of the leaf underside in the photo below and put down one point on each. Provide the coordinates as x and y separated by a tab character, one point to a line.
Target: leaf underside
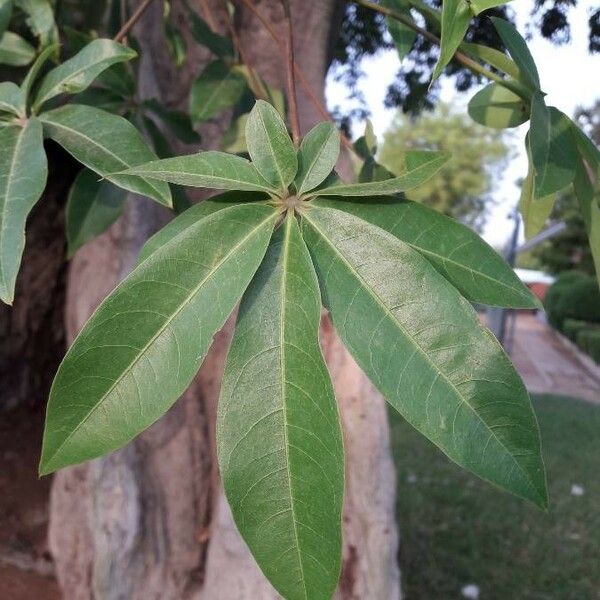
146	341
278	433
456	251
422	346
23	173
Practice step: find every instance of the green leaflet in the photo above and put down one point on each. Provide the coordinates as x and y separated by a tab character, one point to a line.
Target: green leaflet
478	6
40	19
206	169
205	36
588	197
6	7
23	172
93	205
270	147
404	37
553	150
587	149
177	122
218	87
456	251
456	15
519	52
106	144
192	215
11	98
366	145
317	156
35	68
279	439
422	346
77	73
15	51
492	57
496	106
421	167
535	211
146	341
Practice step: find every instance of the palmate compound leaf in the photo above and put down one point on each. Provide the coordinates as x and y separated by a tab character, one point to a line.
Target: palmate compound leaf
77	73
279	439
193	214
420	166
422	346
270	147
106	144
456	251
146	341
217	170
23	173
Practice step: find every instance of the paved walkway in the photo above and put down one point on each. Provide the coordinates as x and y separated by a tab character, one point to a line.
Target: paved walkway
548	363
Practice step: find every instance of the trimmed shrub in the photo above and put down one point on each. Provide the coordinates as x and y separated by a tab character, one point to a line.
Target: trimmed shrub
589	341
571	327
574	295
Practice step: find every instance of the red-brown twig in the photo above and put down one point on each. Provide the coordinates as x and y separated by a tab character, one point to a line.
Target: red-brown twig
291	76
135	17
299	73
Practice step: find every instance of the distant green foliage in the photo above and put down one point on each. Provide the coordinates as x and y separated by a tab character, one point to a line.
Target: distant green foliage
462	187
574	295
572	327
589	341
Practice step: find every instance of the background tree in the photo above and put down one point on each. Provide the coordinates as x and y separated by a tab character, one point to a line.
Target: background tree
462	188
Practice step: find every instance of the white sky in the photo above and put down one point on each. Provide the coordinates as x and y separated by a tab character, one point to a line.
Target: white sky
570	76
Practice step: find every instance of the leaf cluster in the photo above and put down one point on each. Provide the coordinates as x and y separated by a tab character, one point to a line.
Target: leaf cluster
286	238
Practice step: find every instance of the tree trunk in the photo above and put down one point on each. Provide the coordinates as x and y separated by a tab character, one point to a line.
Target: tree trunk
150	521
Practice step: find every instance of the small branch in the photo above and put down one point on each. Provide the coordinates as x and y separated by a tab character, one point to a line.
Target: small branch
135	17
299	73
254	83
466	61
291	78
207	15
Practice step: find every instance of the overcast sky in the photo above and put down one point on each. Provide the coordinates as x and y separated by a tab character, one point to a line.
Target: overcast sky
569	75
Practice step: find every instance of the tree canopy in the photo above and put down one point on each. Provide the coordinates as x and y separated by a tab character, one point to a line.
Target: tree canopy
461	189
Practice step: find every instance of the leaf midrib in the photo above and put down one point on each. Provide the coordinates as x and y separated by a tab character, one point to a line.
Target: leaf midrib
376	186
159	332
149	174
283	291
274	153
374	295
316	157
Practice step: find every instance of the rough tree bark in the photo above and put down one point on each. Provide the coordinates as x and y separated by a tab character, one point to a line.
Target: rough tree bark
150	521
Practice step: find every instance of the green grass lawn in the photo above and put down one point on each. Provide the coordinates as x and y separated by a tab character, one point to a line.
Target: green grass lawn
457	530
